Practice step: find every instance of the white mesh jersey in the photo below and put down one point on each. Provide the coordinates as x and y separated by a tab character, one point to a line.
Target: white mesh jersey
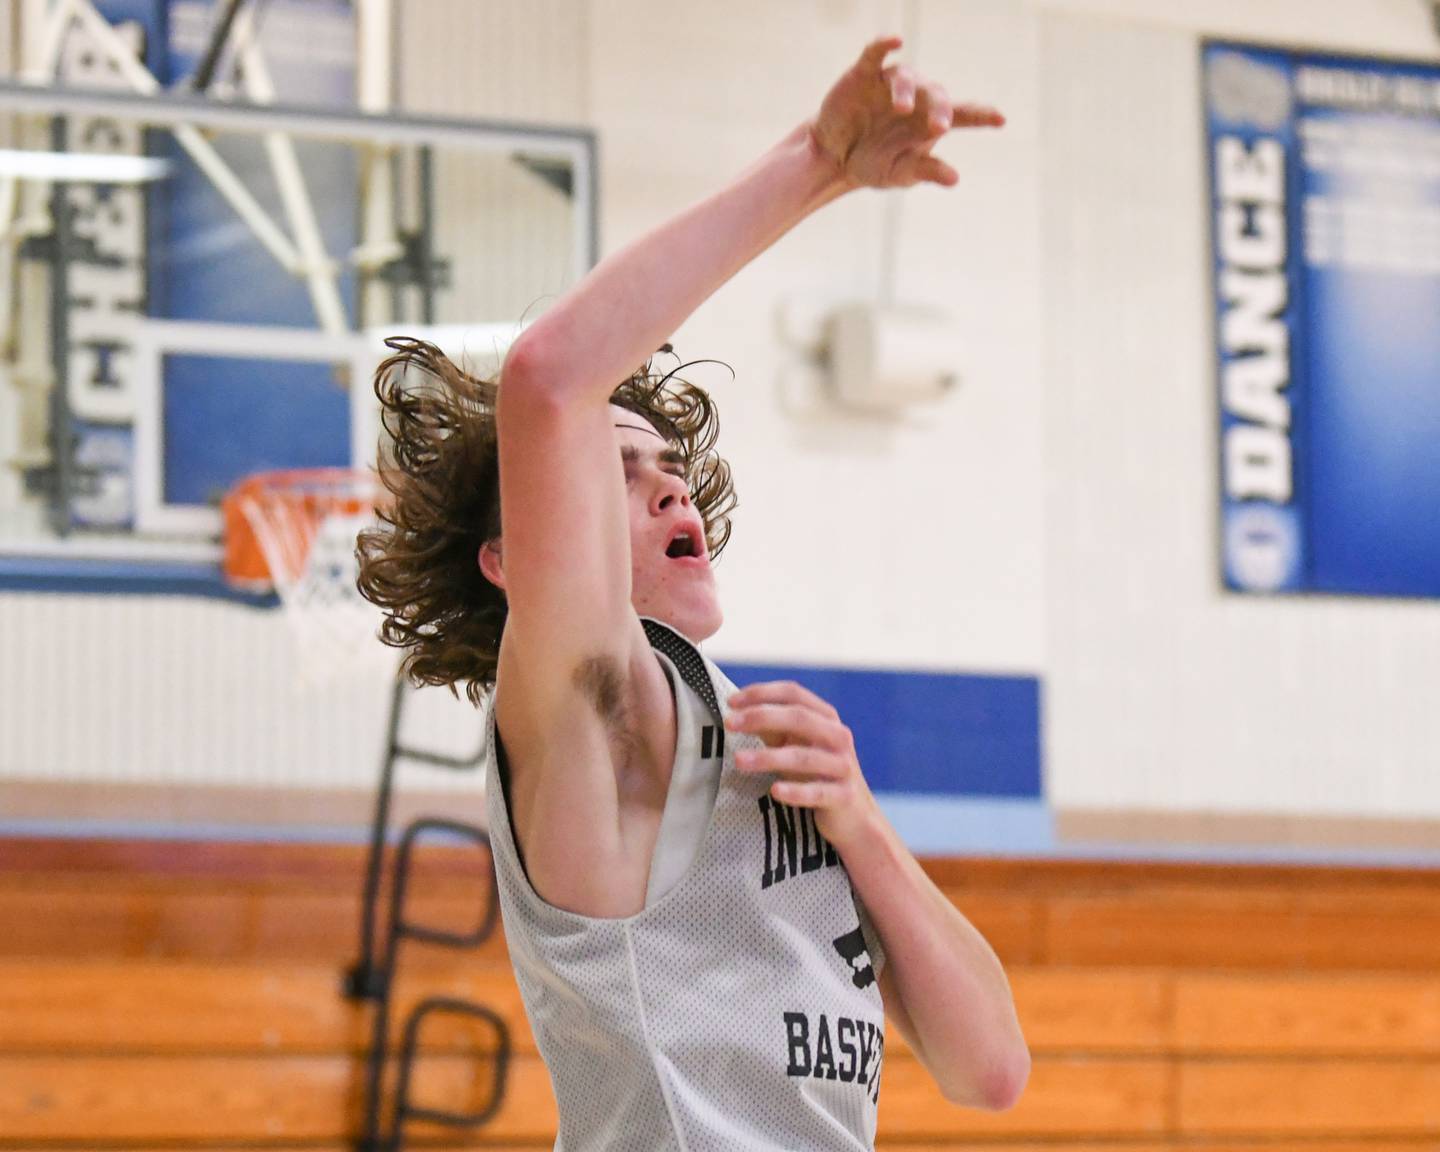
740	1009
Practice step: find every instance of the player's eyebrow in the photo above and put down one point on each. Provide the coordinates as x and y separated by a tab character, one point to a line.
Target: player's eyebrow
666	456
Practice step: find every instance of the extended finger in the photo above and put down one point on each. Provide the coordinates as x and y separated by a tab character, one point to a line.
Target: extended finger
787	723
876	51
976	116
781	692
902	88
790	761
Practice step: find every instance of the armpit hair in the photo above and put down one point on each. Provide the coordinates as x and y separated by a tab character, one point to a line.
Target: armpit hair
601	682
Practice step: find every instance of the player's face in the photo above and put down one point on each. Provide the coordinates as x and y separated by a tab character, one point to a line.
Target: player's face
670	575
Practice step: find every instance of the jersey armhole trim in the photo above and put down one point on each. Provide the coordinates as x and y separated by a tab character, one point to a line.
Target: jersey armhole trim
645	1033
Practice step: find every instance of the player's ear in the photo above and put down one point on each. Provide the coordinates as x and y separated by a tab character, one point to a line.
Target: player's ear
492	563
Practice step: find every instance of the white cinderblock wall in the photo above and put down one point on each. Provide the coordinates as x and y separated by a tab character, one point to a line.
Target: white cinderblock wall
1054	517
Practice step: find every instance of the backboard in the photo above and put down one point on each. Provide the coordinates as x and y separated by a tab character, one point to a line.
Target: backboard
194	290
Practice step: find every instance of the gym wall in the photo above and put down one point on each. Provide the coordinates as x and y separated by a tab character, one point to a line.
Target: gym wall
1053	520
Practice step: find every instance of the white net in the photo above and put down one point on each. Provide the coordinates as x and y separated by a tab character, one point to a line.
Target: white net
305	525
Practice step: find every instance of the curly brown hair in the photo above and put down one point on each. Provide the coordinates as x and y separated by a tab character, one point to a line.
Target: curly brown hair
443	477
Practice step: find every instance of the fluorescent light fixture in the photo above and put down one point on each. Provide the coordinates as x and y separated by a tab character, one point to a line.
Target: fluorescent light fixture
81	167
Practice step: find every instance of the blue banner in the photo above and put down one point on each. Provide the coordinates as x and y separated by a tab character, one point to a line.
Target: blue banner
1325	224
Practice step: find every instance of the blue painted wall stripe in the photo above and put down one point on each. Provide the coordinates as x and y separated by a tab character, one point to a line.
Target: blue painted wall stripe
929	826
68	574
931	732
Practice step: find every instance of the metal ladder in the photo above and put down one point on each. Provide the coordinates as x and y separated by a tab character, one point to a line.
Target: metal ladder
373	975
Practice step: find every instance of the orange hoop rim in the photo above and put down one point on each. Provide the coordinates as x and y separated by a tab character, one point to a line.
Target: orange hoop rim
280	479
307	496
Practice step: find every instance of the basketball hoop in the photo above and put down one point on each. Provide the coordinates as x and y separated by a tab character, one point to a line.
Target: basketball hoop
294	531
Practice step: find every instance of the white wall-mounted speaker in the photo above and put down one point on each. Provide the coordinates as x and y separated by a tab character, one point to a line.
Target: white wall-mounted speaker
888	358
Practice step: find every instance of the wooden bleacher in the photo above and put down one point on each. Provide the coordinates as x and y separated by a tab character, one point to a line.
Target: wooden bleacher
186	996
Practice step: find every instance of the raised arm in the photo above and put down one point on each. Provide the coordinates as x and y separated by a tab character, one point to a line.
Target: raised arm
573	647
566	545
563	502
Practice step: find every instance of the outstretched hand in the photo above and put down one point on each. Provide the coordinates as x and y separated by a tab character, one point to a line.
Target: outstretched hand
879	123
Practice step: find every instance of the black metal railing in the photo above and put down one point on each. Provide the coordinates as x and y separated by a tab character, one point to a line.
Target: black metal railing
373	975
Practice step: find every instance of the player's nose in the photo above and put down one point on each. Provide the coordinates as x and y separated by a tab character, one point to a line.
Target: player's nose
668	490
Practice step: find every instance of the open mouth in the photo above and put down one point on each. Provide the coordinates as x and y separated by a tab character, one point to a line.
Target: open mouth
684	544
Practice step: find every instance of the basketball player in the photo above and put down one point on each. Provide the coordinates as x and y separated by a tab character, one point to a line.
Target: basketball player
708	915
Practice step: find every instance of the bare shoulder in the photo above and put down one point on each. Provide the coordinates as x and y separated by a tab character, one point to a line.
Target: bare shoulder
578	754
